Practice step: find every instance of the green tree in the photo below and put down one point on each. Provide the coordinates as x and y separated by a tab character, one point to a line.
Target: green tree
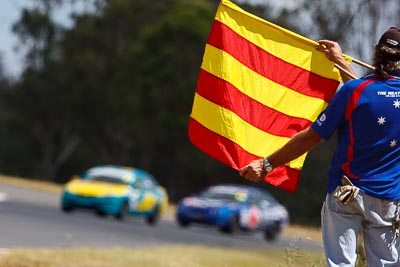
38	99
115	88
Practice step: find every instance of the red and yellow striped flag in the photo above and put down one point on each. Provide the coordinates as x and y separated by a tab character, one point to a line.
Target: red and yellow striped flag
259	84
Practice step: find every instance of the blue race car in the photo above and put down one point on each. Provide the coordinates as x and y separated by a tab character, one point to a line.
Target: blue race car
233	207
117	191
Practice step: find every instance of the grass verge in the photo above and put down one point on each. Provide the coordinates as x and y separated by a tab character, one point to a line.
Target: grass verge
163	256
36	184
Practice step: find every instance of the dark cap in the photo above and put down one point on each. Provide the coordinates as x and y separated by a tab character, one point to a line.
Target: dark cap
391	37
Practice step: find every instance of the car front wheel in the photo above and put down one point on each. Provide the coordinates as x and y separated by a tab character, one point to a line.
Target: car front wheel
232	226
153	217
272	232
183	222
121	215
101	213
66	209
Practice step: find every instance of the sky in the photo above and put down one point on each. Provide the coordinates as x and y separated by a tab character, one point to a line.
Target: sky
9	13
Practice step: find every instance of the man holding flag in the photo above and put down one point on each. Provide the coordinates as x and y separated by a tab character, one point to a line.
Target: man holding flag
363	191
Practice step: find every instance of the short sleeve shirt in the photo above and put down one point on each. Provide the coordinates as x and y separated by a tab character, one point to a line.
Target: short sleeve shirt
368	148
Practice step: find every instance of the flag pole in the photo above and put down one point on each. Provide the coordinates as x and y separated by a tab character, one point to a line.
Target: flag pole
346	71
359	62
363	64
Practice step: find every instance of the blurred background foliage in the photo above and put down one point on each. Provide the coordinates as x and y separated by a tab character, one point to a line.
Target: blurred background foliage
116	87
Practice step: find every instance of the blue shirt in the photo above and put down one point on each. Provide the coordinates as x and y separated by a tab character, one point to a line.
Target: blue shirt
368	149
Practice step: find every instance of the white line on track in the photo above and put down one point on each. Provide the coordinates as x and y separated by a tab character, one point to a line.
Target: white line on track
4	252
3	197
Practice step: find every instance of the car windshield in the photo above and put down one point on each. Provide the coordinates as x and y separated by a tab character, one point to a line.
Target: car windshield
110	175
107	179
229	195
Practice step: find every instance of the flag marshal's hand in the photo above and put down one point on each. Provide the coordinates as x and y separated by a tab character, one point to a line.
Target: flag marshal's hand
253	171
333	52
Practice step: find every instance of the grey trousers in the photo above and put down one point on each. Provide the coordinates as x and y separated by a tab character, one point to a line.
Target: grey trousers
373	218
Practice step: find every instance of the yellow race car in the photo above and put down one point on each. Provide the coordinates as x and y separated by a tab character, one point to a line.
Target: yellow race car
116	190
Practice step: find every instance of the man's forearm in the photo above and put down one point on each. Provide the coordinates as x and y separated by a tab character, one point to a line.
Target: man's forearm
297	146
345	77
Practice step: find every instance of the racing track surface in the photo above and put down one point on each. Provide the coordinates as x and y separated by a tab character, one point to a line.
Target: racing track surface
32	218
